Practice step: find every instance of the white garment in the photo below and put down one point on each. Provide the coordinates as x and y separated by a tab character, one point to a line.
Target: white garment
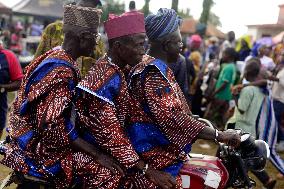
267	63
226	44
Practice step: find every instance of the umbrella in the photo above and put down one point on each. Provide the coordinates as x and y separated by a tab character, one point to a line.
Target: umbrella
265	41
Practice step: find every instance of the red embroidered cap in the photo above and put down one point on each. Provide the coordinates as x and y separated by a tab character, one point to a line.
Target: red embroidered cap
126	24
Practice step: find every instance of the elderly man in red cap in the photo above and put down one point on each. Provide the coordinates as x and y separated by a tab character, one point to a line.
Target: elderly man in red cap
103	100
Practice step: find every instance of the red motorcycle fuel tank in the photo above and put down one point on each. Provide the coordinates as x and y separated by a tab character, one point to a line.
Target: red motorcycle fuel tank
202	171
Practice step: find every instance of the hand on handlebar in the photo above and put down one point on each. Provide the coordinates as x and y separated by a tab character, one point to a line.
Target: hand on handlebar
230	137
160	178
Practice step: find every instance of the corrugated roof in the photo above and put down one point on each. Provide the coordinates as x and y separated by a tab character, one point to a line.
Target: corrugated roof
4	9
43	8
189	27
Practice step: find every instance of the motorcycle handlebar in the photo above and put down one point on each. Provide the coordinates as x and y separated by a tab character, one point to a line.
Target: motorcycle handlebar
207	122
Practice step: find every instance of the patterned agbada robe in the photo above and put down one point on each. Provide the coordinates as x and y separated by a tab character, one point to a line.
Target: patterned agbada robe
161	128
42	129
103	107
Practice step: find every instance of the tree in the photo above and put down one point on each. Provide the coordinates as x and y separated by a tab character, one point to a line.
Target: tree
146	9
214	20
112	7
175	5
184	13
207	5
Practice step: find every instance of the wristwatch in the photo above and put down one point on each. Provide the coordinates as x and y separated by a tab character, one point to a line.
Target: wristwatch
2	90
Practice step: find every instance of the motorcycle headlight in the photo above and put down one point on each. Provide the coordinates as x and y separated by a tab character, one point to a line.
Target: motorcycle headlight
255	153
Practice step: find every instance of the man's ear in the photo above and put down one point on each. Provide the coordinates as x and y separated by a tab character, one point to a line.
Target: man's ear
165	45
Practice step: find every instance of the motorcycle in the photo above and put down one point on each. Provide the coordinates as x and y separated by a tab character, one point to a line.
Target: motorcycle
229	168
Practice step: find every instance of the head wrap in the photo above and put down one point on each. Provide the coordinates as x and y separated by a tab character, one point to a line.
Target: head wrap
166	21
126	24
85	17
195	41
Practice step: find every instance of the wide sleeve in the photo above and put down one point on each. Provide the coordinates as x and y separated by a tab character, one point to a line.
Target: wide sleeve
100	118
54	111
168	111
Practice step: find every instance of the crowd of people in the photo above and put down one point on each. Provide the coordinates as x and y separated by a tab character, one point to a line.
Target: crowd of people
122	116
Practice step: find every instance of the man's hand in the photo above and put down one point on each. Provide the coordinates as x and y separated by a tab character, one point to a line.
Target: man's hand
100	157
236	89
230	137
161	179
109	162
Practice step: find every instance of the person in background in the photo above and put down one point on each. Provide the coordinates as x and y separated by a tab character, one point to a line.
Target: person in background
180	69
53	37
266	124
248	105
212	49
194	64
15	44
196	58
277	51
230	42
5	38
222	94
11	76
132	6
278	100
36	29
244	51
265	60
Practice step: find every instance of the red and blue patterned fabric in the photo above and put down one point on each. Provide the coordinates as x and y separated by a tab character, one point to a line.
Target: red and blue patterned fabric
162	128
42	130
103	107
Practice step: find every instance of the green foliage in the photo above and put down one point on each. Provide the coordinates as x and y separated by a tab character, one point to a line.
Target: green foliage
112	7
175	5
207	16
214	20
184	13
207	5
146	8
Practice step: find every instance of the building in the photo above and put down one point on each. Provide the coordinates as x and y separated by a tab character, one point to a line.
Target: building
268	30
188	27
39	9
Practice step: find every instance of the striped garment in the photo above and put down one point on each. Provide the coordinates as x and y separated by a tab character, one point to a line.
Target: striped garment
267	130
